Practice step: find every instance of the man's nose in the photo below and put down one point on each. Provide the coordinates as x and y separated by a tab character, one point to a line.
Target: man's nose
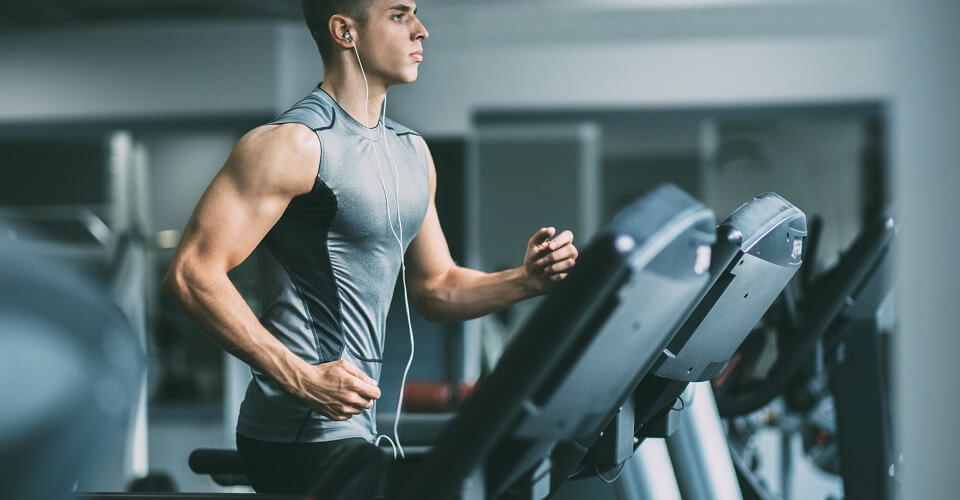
421	32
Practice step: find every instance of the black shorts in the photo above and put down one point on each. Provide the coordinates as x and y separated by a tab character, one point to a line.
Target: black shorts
298	468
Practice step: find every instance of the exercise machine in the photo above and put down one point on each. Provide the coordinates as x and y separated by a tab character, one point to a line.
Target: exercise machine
830	377
758	250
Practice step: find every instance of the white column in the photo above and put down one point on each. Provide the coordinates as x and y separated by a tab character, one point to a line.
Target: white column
926	167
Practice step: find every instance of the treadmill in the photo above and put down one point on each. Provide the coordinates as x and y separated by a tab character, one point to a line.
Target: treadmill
758	250
577	358
833	369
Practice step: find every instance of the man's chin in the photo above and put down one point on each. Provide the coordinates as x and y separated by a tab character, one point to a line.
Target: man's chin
410	77
404	78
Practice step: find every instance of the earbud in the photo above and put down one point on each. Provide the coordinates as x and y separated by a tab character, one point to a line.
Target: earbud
348	36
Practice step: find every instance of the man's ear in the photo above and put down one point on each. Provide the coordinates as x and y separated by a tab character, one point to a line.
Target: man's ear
338	25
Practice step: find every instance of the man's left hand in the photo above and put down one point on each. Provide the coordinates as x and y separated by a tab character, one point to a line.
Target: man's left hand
548	259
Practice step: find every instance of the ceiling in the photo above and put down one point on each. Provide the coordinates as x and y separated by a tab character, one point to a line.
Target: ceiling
25	14
20	15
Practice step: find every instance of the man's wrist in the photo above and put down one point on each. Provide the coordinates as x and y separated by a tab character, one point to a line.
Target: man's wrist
529	285
288	370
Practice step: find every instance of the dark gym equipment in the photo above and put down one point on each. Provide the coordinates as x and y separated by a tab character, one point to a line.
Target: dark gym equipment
758	249
578	357
74	368
835	322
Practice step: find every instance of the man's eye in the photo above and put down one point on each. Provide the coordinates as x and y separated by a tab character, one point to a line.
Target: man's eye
397	17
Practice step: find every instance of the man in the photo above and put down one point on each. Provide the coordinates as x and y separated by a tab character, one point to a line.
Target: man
334	197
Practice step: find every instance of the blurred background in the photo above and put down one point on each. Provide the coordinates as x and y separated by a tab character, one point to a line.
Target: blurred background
115	115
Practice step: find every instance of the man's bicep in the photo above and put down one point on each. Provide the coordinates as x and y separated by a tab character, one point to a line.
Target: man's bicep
229	221
242	203
429	255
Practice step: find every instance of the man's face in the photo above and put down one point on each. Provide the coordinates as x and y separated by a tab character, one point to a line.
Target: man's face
391	42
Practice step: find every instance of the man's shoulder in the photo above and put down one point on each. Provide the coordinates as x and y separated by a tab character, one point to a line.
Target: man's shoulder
400	129
283	154
290	138
312	111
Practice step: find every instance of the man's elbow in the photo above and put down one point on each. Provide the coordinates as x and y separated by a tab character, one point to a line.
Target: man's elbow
429	302
175	281
437	314
422	304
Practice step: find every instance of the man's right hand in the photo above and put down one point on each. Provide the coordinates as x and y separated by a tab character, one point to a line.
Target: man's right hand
338	390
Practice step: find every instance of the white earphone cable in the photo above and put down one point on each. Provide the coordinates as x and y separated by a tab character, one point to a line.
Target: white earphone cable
399	238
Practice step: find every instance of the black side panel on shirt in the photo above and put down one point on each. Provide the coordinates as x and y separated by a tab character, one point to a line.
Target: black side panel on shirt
299	243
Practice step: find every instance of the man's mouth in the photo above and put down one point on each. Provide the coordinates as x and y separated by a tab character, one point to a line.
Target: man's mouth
417	55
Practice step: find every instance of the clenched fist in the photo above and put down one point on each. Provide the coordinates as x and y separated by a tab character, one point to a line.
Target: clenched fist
549	259
338	390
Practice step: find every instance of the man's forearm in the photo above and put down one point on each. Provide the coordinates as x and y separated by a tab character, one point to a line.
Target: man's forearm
217	307
467	293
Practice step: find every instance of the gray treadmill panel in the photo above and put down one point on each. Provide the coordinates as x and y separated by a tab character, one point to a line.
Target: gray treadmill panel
758	250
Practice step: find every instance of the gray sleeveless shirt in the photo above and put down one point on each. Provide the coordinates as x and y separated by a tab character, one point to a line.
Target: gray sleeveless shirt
330	264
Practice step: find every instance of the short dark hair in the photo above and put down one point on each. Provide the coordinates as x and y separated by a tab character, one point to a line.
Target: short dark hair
317	13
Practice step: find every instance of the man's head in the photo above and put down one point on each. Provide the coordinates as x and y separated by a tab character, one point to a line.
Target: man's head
387	34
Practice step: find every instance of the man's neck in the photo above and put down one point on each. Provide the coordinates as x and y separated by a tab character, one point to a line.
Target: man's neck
347	88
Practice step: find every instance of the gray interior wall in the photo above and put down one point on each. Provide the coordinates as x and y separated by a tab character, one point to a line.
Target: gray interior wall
299	67
182	164
527	177
137	70
626	178
591	55
812	162
645	152
607	54
926	111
